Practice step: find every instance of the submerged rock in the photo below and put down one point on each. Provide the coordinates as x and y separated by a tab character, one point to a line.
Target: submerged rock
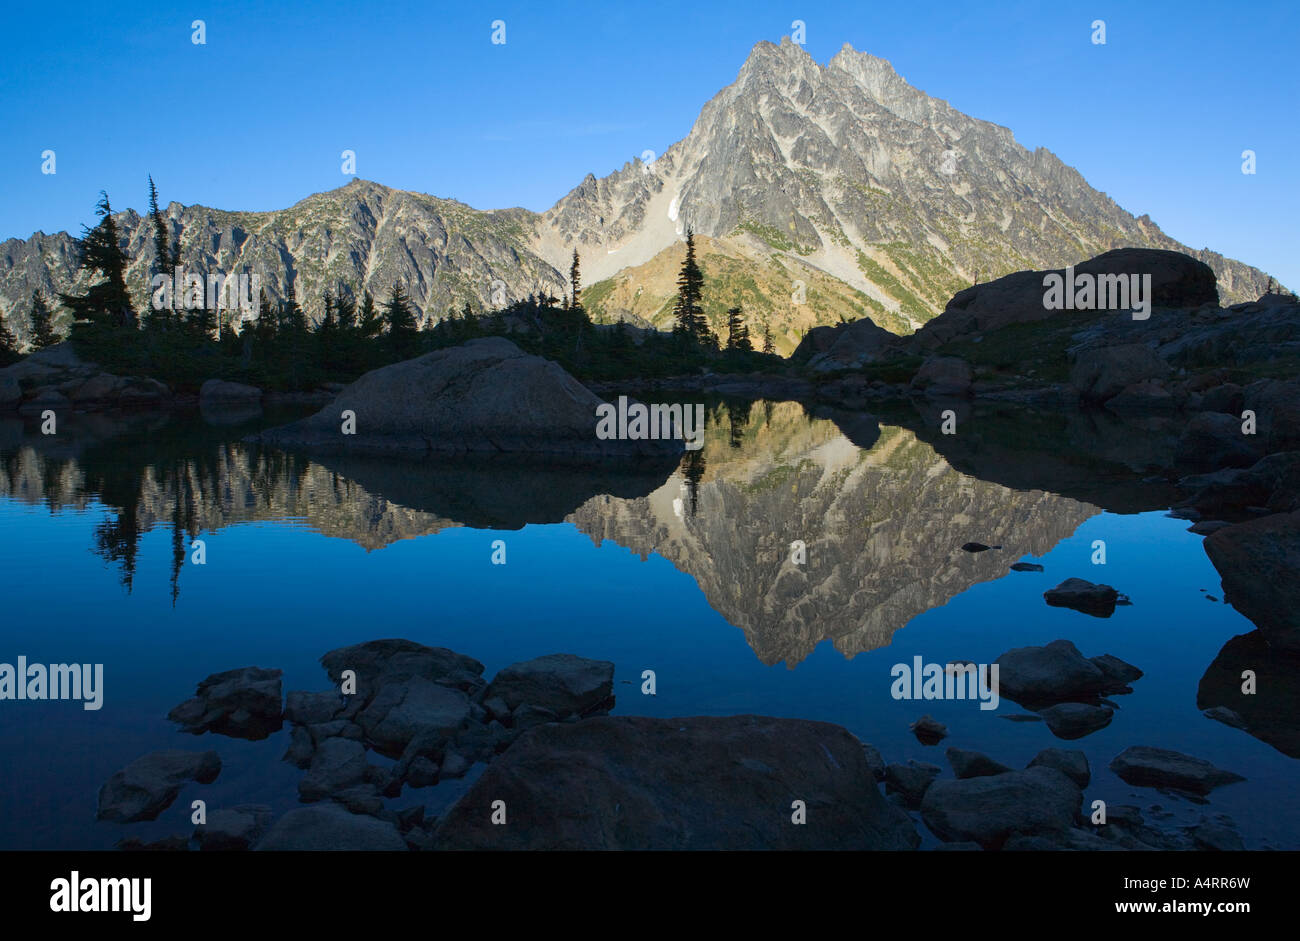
243	703
620	782
1070	720
1144	766
147	786
1053	673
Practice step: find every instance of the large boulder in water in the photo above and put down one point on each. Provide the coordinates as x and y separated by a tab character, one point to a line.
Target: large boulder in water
1259	562
484	396
628	782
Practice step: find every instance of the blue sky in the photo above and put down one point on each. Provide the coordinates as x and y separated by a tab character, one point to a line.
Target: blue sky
257	118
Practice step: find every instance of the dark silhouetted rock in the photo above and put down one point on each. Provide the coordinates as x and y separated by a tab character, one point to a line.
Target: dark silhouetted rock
1259	562
243	703
973	764
690	783
233	828
910	781
1213	440
1085	596
562	683
1071	763
1026	567
147	786
988	810
1071	720
1144	766
330	826
929	730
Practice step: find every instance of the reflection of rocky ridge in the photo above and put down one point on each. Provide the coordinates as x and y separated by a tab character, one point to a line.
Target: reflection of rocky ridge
883	530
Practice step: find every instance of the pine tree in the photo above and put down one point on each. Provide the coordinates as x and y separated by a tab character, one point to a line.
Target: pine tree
369	323
768	346
403	333
166	261
689	315
42	334
8	345
738	331
575	280
99	250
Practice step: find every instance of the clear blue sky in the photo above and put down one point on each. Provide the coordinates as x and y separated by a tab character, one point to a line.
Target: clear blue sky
257	117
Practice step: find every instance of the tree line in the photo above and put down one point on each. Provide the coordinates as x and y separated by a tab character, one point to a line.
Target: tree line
281	349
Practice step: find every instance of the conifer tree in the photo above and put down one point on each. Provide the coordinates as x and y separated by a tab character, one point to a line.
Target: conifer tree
99	250
403	333
575	280
369	323
768	346
738	331
43	334
8	345
688	314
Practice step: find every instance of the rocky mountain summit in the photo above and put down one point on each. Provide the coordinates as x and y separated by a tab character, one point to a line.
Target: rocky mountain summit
881	200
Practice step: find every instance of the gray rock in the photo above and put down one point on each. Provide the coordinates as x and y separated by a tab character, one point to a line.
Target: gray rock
988	810
910	781
422	772
330	827
929	730
400	711
337	765
485	395
874	761
973	764
1081	595
622	782
378	662
1213	440
944	377
301	747
563	683
526	716
1215	838
1071	763
1102	373
311	708
217	391
1056	672
1117	672
453	766
147	786
1071	720
1144	766
243	703
233	828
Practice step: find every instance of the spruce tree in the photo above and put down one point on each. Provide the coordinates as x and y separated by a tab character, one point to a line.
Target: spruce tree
399	316
768	346
737	331
369	323
108	302
575	280
42	334
8	345
687	312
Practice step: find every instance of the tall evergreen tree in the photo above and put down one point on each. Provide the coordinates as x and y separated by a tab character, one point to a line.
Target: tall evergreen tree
43	334
687	312
738	331
399	317
369	323
99	250
768	346
575	280
8	345
166	261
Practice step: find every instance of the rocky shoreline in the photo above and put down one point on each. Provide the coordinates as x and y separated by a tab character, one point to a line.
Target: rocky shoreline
561	773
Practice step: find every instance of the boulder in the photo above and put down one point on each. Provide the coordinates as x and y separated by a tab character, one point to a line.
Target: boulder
378	662
336	765
929	730
242	703
910	781
1081	595
482	396
943	377
330	827
11	394
310	708
1071	763
1213	440
1144	766
1102	373
1054	673
1271	712
989	810
1070	720
1276	404
1259	563
562	683
403	710
1177	280
147	786
973	764
233	828
845	346
1272	483
220	392
719	783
